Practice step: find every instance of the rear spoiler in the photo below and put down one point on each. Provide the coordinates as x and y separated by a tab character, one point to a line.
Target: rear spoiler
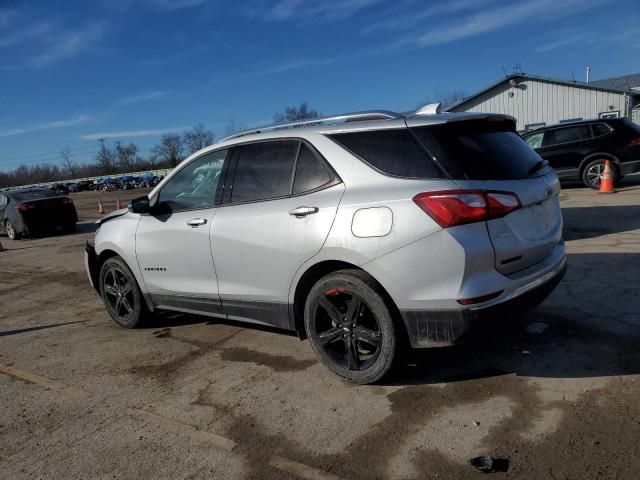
450	117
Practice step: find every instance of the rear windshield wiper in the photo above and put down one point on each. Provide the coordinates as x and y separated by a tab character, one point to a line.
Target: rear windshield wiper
538	165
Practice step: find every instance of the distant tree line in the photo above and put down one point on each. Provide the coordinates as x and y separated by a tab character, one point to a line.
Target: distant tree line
121	158
113	159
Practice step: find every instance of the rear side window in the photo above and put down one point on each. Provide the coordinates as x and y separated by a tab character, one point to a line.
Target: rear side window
394	152
311	172
600	129
566	135
479	150
264	170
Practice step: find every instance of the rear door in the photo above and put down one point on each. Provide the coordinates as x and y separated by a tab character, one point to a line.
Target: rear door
271	223
565	147
489	155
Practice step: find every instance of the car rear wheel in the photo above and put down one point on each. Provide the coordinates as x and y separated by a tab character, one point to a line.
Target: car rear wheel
11	231
593	172
350	326
120	293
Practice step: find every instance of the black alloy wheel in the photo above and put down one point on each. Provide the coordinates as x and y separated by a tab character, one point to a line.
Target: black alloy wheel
350	327
120	293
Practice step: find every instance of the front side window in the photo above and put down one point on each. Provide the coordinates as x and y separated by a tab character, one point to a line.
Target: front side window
566	135
264	170
194	186
535	140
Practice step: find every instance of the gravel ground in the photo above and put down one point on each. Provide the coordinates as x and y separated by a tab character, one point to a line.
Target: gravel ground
554	394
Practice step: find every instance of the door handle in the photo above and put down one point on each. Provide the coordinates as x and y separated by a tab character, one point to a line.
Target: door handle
196	222
303	211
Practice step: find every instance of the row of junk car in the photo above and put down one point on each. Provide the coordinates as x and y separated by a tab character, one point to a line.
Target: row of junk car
109	184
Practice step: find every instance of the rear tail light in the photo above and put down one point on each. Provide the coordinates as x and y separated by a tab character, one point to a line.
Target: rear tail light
458	207
634	142
24	207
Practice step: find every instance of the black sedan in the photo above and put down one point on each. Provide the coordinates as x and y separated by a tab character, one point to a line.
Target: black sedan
578	150
28	211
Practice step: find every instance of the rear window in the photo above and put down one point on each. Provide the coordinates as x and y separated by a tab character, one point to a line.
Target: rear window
34	195
393	152
479	150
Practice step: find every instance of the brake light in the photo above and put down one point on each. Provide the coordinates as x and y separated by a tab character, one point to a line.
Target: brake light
634	142
24	207
450	208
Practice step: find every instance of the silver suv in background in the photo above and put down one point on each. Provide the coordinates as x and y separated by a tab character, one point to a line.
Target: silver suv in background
358	232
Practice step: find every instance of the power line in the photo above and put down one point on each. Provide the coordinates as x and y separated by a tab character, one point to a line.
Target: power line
86	149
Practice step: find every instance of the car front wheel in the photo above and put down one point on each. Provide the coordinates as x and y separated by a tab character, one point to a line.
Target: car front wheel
11	231
120	293
350	326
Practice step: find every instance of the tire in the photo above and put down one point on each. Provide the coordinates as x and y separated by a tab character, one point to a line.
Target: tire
592	173
121	294
69	228
357	342
11	231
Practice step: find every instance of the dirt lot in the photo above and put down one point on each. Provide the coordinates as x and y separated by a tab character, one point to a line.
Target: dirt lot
555	395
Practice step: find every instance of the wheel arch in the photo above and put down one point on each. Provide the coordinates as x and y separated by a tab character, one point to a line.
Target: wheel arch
595	156
108	253
314	273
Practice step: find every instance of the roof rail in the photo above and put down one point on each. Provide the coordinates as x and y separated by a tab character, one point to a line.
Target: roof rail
343	117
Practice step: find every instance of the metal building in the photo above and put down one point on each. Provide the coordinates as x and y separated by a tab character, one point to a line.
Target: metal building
538	101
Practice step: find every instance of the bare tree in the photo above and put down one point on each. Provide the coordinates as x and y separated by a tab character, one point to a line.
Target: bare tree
232	126
126	157
291	114
170	149
65	155
445	98
105	159
197	138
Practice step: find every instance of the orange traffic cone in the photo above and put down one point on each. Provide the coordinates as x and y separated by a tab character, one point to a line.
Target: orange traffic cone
2	249
606	183
118	206
100	207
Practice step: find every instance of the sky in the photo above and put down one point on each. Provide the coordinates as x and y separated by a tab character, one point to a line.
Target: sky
73	72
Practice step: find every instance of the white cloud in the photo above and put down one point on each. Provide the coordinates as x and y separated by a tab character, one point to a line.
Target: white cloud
67	44
42	44
133	133
12	131
304	10
174	4
143	97
65	123
401	19
497	18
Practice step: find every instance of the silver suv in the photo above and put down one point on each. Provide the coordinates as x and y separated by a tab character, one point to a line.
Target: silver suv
364	233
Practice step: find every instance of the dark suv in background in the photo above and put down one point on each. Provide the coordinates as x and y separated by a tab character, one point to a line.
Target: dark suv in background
577	150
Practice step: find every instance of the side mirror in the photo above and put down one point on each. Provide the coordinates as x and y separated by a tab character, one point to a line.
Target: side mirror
140	205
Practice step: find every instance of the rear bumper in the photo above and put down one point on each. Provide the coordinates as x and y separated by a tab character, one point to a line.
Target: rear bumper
91	265
438	328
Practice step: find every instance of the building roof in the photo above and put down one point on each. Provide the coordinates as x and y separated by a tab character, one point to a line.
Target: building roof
525	76
623	82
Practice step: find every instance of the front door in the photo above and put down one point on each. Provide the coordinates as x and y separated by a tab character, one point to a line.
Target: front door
271	226
172	243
